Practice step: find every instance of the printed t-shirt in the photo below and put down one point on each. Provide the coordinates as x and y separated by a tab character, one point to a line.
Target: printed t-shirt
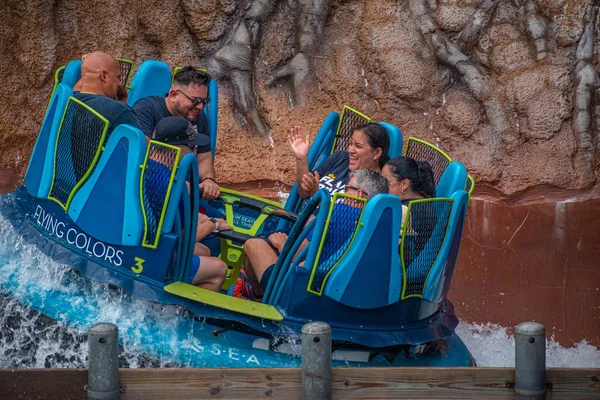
149	111
334	172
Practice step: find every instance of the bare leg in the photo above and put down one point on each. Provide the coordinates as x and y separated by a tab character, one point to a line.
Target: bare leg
211	274
201	250
259	256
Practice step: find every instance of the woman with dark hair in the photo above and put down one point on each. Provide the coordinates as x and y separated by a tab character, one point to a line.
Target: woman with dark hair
413	180
367	149
409	179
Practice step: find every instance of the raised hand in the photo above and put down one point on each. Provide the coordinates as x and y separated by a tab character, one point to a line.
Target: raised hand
310	183
300	144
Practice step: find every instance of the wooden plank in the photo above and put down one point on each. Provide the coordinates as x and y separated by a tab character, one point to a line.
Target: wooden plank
285	383
43	384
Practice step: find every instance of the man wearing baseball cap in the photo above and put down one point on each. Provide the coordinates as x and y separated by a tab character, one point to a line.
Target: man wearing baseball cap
206	272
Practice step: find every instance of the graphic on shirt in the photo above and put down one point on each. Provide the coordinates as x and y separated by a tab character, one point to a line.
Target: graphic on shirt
328	182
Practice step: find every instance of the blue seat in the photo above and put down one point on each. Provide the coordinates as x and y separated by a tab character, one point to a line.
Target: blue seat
72	73
40	171
112	191
153	78
453	178
366	277
439	161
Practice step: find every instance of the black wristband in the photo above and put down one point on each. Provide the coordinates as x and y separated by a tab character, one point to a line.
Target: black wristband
209	179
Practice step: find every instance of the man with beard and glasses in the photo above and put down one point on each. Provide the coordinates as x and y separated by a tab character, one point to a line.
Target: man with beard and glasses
187	98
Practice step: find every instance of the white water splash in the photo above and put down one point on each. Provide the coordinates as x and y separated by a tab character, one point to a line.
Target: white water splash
492	346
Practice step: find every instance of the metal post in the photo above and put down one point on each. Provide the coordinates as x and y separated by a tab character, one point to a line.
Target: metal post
316	361
530	359
103	372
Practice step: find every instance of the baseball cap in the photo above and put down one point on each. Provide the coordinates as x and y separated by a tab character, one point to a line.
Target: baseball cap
178	130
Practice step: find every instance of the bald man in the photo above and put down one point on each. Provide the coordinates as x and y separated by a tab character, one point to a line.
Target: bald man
99	86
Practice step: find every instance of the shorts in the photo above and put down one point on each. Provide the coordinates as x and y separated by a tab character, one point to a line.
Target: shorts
193	270
264	279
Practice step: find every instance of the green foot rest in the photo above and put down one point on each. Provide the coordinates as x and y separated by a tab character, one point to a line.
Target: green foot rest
223	301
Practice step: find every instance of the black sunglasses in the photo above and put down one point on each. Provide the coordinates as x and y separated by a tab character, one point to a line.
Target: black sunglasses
355	188
196	100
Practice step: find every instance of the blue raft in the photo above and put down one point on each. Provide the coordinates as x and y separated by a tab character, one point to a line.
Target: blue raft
85	203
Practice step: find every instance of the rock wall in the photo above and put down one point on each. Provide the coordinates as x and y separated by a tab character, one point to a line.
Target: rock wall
507	87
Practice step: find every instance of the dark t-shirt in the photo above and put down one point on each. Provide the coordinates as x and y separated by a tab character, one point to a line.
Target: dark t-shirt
149	111
114	111
334	172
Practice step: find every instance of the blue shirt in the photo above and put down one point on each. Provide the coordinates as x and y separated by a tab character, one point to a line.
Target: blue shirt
334	172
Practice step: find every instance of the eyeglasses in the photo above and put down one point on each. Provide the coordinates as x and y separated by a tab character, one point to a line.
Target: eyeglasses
354	188
196	100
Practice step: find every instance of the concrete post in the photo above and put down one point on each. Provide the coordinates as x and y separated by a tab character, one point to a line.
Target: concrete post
530	359
316	361
103	372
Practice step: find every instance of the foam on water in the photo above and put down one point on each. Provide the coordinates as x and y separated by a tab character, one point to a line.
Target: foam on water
492	346
31	340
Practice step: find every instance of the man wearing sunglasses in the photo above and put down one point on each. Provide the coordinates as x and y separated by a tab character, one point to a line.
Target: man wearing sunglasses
187	98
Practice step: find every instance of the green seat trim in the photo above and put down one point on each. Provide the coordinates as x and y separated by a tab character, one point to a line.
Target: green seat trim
177	151
470	185
232	253
349	120
126	68
223	301
73	100
57	80
177	69
403	242
336	196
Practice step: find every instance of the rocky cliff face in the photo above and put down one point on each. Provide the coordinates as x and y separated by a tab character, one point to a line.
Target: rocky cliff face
507	87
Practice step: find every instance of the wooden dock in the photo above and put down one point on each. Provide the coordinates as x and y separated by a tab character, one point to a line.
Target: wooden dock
285	383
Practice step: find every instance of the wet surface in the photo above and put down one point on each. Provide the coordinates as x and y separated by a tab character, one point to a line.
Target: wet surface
9	180
536	260
266	189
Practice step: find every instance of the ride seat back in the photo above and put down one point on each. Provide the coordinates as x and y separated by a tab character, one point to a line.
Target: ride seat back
470	185
160	165
349	120
39	175
420	150
368	274
342	223
78	145
423	234
126	67
153	78
454	178
107	206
